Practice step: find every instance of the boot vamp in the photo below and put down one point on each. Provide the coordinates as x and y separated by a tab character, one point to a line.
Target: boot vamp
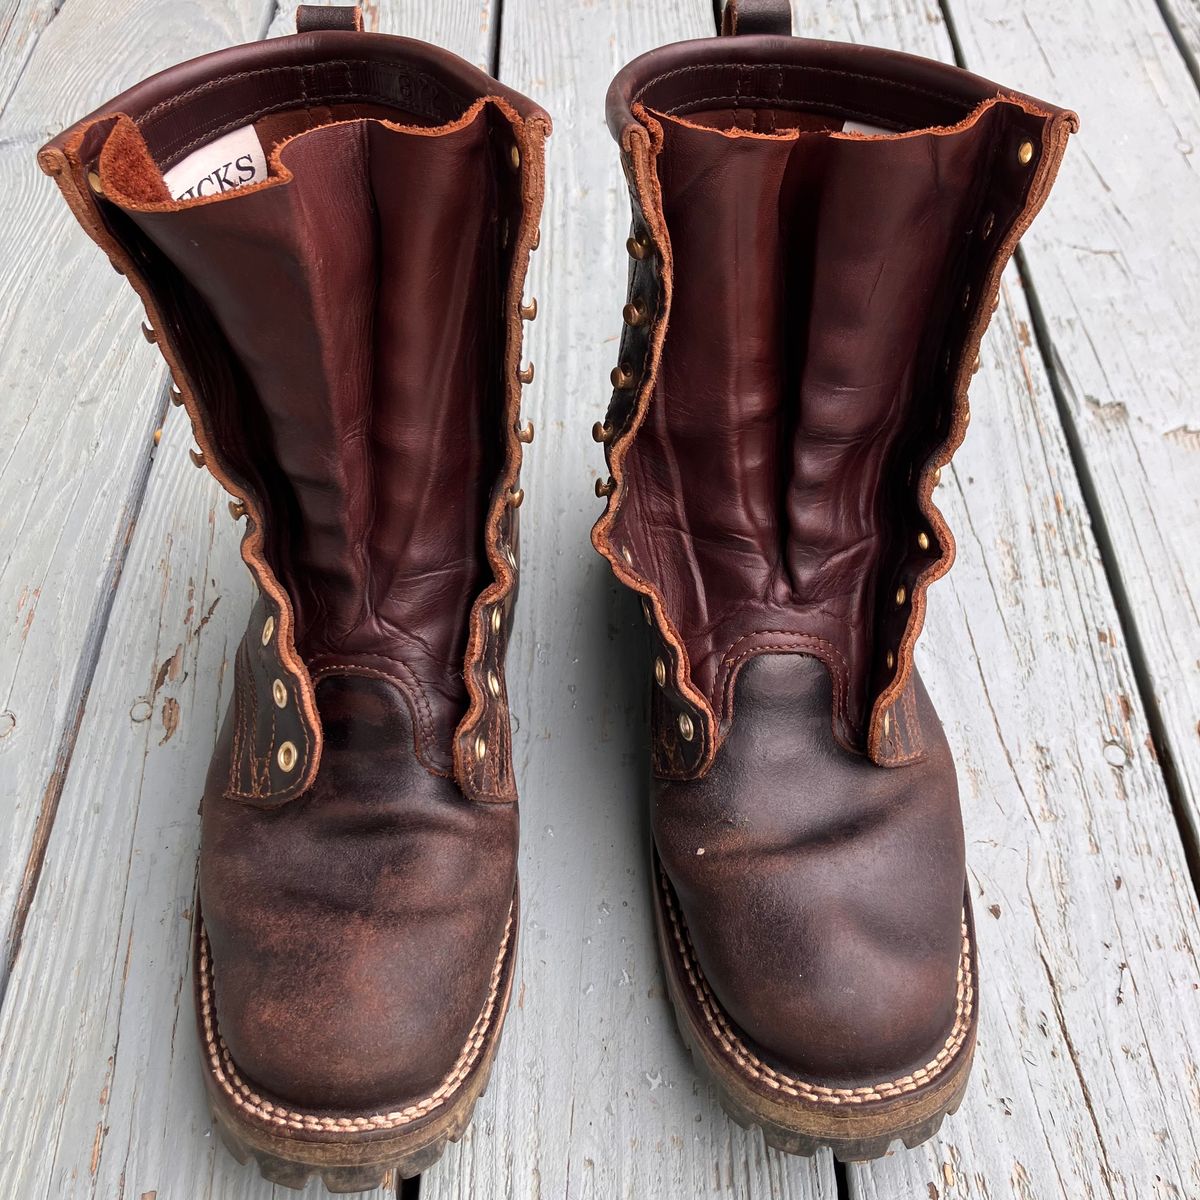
823	895
354	931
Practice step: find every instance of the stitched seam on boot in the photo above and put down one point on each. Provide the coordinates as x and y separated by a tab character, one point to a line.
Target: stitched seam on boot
225	1070
790	1085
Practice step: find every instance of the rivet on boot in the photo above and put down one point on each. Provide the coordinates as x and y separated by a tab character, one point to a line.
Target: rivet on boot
148	333
525	432
602	432
237	510
286	757
634	313
621	377
529	309
516	497
525	375
606	488
197	457
638	247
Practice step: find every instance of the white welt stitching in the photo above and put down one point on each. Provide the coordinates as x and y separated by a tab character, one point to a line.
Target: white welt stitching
789	1085
240	1092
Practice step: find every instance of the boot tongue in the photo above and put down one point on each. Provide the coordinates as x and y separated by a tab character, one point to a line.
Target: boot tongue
742	17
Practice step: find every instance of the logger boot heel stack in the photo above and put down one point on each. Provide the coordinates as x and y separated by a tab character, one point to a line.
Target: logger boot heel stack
818	236
330	233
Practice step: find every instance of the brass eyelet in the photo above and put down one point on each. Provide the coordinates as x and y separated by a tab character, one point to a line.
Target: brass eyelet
94	183
537	238
936	476
627	556
890	660
687	730
497	619
525	375
237	510
638	247
621	377
516	498
1025	153
887	724
602	433
268	630
480	748
286	757
901	595
634	313
197	457
529	309
525	432
493	684
923	540
279	693
646	612
660	672
606	489
514	156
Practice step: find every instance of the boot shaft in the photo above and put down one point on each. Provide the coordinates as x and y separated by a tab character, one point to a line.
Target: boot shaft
819	233
345	331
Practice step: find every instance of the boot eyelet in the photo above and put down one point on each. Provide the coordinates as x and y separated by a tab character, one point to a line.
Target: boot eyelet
514	156
94	183
890	660
638	247
197	457
496	619
148	333
923	540
525	374
634	313
621	377
660	672
480	748
493	684
605	489
1025	153
286	757
989	223
687	730
516	498
901	595
529	310
525	433
602	433
279	694
268	630
237	510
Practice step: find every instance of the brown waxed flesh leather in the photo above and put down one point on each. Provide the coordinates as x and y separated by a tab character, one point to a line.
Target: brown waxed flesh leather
818	237
811	280
373	347
826	905
354	930
345	337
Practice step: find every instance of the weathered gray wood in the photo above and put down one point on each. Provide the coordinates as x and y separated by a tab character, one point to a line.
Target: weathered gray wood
101	1091
80	395
1117	271
593	1094
1087	919
21	24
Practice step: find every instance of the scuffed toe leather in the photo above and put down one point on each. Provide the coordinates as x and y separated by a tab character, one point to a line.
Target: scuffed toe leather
823	897
355	932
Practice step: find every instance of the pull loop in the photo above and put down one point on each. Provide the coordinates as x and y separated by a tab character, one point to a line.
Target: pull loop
749	17
315	18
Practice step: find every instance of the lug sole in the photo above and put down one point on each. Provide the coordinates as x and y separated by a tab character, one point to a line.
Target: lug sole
853	1133
358	1162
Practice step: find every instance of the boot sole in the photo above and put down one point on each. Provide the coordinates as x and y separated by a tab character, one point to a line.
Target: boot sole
799	1116
352	1152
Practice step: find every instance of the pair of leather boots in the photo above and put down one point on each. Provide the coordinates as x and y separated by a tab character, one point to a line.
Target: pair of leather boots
330	233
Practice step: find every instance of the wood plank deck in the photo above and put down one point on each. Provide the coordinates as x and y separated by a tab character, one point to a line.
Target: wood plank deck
1063	651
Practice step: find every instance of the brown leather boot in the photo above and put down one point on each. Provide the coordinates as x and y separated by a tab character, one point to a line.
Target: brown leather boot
338	293
818	236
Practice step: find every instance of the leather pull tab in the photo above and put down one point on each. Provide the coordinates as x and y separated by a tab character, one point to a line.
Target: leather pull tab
314	18
749	17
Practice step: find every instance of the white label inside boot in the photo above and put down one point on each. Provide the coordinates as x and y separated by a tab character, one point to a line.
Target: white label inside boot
232	161
859	127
